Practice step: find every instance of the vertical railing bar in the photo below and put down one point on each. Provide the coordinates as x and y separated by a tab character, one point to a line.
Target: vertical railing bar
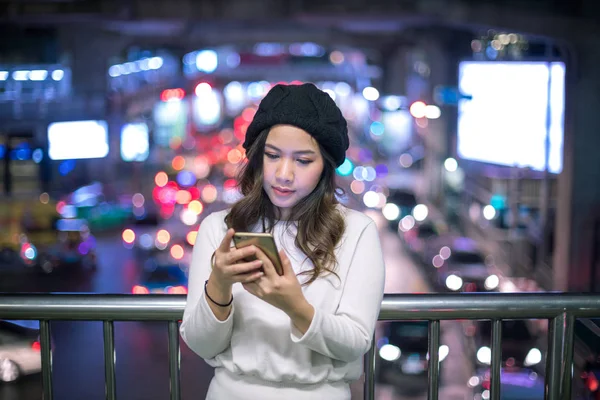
567	358
109	361
496	362
434	365
555	354
46	353
174	360
369	389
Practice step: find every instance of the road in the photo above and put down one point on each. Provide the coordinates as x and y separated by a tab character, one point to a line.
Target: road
141	348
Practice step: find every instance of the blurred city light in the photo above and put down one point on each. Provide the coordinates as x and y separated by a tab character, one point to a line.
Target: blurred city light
489	212
420	212
450	164
161	179
207	61
371	199
191	237
391	211
346	168
128	236
454	282
370	93
432	112
418	109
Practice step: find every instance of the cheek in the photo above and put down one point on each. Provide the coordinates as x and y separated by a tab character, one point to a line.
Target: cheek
312	178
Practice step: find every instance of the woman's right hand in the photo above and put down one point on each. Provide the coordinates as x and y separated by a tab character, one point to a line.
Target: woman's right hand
229	266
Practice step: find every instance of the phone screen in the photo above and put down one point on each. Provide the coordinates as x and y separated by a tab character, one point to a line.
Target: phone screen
263	241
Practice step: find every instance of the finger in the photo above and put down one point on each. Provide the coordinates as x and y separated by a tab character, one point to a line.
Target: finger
239	254
226	242
286	263
267	264
245	267
249	277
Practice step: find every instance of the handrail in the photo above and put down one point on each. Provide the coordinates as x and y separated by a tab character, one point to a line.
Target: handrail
561	309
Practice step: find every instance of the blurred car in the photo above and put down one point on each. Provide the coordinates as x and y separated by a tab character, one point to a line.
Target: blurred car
415	238
515	384
400	203
19	350
457	264
519	344
75	248
403	356
25	222
163	276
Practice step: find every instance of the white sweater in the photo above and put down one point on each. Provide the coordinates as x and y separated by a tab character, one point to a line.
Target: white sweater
258	340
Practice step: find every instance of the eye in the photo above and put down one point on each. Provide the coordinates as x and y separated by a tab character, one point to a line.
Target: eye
271	156
305	162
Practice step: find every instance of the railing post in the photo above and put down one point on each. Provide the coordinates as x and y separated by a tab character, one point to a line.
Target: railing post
434	360
369	389
109	361
174	360
559	367
496	362
567	359
46	350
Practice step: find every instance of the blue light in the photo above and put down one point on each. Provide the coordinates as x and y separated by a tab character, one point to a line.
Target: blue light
66	166
377	128
381	170
186	178
346	168
38	155
30	253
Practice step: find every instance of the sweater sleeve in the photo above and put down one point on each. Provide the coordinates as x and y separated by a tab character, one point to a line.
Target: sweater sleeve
347	334
200	329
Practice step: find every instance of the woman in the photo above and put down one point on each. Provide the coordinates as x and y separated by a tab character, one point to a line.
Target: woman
300	335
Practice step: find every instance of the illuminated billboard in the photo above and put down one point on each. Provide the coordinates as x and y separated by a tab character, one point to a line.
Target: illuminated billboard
505	122
72	140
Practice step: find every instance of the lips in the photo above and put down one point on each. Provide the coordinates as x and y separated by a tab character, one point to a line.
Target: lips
282	190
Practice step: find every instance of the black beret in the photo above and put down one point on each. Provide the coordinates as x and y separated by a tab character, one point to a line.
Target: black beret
306	107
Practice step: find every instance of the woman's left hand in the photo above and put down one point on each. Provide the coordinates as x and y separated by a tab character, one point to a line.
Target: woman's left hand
283	292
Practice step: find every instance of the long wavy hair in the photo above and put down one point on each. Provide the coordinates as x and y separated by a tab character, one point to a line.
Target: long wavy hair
320	223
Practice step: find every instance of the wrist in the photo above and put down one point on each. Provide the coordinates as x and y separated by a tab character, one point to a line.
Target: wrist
218	291
301	310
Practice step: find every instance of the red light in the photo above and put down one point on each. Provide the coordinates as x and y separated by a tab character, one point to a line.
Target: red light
195	192
230	184
36	346
592	382
177	290
137	289
172	94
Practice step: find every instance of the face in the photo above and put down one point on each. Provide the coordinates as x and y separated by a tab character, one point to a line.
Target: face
292	166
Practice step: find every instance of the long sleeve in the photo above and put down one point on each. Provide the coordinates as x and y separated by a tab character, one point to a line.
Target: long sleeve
346	335
200	329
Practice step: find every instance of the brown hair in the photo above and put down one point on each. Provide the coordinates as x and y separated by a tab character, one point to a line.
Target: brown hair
320	223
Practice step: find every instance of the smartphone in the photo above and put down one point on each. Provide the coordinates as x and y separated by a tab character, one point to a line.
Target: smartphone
263	241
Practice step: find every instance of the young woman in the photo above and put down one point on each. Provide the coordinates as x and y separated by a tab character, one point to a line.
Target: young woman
300	335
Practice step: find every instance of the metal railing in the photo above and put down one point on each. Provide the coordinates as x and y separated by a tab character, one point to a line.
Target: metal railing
561	310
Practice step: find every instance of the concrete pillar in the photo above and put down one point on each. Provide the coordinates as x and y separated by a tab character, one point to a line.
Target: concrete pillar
578	208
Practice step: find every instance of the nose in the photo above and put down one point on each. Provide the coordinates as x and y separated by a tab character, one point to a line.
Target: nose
285	170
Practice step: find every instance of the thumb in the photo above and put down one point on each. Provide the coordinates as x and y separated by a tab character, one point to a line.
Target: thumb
285	263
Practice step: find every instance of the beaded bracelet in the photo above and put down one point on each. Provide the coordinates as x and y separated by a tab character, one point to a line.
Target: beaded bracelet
210	298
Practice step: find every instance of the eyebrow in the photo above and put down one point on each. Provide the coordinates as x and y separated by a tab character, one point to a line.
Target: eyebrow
295	152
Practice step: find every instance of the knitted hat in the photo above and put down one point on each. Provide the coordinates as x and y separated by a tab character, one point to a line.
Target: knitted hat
308	108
